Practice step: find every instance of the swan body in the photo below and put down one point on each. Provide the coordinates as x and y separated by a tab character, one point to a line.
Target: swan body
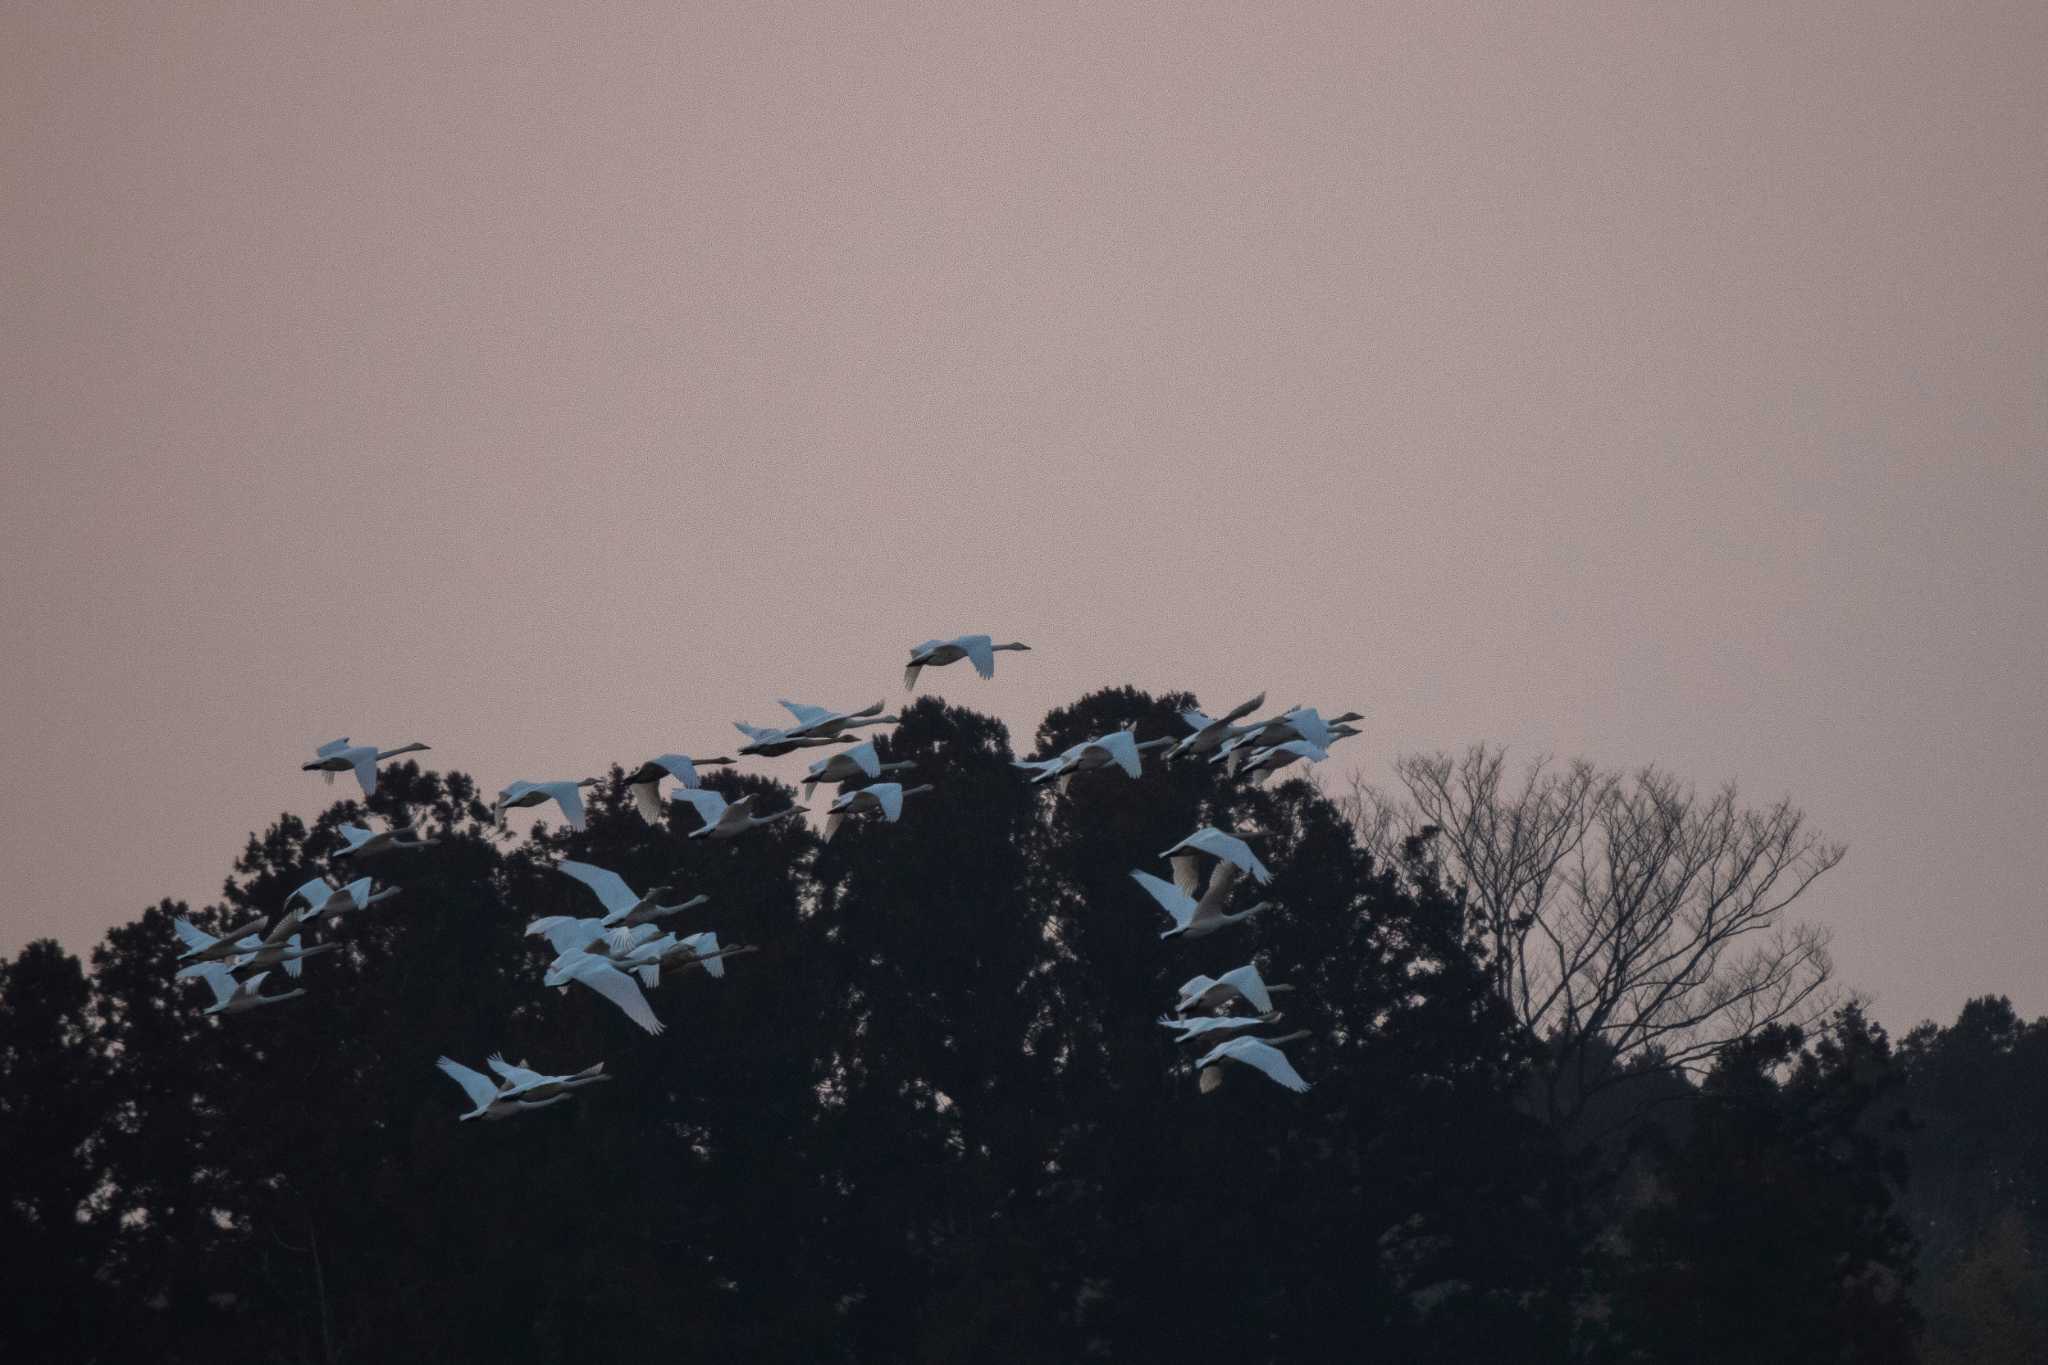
1214	842
1262	1054
817	722
886	797
526	1085
622	905
938	653
1198	918
567	795
1198	1029
1209	734
644	782
359	841
235	997
764	742
850	765
1261	764
1119	748
728	819
339	756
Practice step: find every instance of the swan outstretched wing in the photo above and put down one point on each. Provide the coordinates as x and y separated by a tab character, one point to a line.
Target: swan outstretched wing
1122	748
910	677
1187	873
566	933
1171	898
355	835
981	650
1310	725
610	887
617	987
890	795
218	975
757	733
192	936
805	715
1264	1056
569	797
1239	713
364	761
331	747
1249	984
474	1084
315	894
681	769
709	805
706	945
864	758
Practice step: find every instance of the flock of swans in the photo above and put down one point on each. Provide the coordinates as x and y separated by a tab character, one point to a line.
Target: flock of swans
623	951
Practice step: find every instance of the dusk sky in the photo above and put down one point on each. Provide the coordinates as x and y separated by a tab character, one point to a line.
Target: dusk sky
559	384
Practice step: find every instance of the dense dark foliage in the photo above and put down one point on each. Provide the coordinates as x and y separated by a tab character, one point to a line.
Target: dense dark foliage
934	1118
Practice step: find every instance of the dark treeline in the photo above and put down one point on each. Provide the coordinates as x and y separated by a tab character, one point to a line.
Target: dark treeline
934	1118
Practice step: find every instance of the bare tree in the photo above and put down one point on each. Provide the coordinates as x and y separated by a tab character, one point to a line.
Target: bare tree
1632	922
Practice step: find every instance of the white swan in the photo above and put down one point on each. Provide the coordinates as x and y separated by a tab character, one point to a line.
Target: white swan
764	742
886	797
567	795
598	973
233	997
528	1086
621	904
1215	994
938	653
817	722
850	765
201	946
1261	764
338	756
728	819
644	782
1214	842
1261	1053
1209	734
1198	918
359	841
323	897
492	1103
1120	748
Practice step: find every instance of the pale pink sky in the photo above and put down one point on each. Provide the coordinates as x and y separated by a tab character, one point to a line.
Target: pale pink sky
557	384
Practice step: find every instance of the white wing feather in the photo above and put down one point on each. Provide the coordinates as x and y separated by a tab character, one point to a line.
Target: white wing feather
1171	899
610	887
981	651
618	988
474	1084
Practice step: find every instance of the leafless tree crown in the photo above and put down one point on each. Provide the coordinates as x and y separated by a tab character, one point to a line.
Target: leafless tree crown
1629	917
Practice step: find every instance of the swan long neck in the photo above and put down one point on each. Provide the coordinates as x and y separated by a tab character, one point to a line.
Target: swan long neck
921	787
413	747
1293	1037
